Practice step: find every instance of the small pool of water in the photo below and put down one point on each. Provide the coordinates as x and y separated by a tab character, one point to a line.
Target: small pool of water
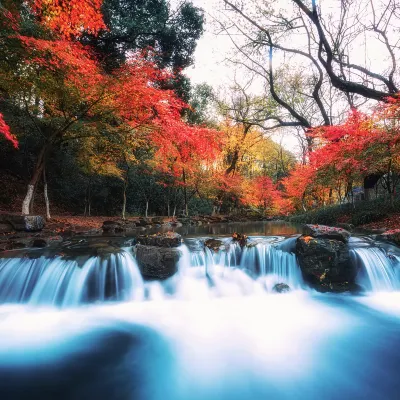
251	228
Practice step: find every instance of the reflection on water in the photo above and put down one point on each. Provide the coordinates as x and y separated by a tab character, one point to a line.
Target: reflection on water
258	228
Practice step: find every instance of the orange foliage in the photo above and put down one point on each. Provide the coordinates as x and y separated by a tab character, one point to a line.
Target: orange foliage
69	18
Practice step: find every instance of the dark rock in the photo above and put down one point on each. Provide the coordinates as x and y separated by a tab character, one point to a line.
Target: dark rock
112	227
392	236
157	262
39	242
326	232
53	241
240	238
214	244
6	227
28	223
325	263
169	239
281	288
347	227
117	226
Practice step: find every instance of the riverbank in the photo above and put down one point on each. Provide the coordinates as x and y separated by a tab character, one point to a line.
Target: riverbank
370	215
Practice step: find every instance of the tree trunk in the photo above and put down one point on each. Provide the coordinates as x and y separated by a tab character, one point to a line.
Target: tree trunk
33	182
46	197
124	203
185	193
27	200
168	210
147	208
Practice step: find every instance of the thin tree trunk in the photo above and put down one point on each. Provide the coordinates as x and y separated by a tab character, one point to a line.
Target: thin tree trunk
46	196
33	182
185	193
147	208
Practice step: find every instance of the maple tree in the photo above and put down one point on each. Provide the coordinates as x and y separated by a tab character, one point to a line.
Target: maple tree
69	18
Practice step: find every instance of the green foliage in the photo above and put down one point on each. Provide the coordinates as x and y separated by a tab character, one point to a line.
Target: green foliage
362	213
366	217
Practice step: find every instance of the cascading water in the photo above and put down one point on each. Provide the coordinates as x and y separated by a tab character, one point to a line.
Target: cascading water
378	269
230	341
63	282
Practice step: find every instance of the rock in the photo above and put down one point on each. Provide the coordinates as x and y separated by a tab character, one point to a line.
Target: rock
240	238
39	242
281	288
118	226
347	227
169	239
392	235
326	232
27	223
6	227
325	263
112	227
53	241
214	244
157	262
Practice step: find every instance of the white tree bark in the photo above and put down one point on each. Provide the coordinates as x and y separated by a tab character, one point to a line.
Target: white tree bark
46	199
27	200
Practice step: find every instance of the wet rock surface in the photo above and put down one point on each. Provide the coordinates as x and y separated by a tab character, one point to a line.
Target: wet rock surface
214	244
168	239
391	235
325	262
240	238
157	262
326	232
27	223
281	288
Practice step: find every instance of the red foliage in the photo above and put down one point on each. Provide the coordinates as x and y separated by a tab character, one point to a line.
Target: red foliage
5	131
69	18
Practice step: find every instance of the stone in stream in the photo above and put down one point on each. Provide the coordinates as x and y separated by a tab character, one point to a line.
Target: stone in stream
118	226
240	238
281	288
157	262
391	235
214	244
324	259
27	223
326	232
168	239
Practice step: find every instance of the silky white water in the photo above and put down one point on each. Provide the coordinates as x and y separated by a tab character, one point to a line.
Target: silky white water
216	330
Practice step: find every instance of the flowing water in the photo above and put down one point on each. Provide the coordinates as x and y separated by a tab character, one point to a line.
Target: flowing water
82	324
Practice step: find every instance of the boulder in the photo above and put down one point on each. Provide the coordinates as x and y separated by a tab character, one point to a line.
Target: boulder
157	262
6	227
326	263
240	238
27	223
326	232
347	227
392	236
281	288
112	227
168	239
214	244
118	226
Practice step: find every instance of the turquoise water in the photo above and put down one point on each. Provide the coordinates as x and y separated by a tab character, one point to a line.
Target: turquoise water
93	329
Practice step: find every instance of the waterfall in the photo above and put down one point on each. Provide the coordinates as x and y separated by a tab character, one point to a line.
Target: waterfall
277	265
259	260
379	270
63	282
